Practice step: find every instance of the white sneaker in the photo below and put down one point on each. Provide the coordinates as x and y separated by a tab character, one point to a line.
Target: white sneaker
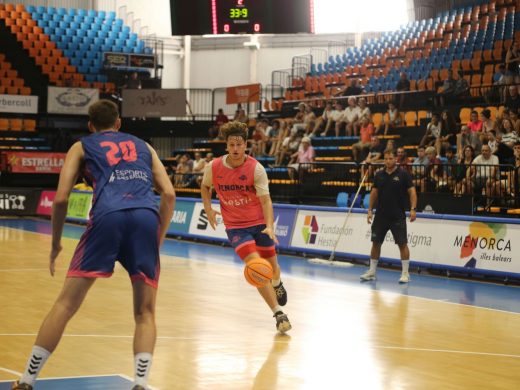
405	278
369	275
323	134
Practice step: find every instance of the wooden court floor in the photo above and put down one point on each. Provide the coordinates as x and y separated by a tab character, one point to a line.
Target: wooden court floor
216	333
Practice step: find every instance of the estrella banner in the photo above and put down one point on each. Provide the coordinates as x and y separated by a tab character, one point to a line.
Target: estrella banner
35	162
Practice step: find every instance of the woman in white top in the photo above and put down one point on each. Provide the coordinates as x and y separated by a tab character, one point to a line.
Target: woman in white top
433	132
392	118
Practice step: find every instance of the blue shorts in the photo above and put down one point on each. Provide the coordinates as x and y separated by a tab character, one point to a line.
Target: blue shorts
249	240
129	236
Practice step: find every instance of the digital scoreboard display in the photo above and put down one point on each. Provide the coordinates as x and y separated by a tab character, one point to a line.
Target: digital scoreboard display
200	17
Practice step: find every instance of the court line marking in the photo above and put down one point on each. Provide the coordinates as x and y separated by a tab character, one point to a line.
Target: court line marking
301	277
10	372
454	351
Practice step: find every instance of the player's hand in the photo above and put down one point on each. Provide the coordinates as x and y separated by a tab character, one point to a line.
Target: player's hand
55	251
413	215
212	217
369	217
270	232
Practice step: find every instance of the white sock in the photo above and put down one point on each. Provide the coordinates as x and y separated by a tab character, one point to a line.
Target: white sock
373	265
276	282
143	362
405	264
35	363
276	309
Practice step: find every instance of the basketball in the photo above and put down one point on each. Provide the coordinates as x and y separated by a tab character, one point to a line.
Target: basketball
258	272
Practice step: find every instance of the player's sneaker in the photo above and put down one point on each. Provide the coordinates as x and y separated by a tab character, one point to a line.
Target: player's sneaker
282	322
138	387
281	294
369	275
405	278
21	386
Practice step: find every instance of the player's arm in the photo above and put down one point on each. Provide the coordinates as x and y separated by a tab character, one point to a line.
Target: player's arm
205	192
371	203
412	193
164	187
68	177
262	191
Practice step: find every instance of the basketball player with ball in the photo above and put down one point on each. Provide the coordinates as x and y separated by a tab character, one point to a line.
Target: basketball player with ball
243	191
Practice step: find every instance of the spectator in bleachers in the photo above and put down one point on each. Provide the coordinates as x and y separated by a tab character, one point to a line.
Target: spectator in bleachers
419	166
365	135
181	172
392	118
220	119
513	98
375	154
289	146
353	89
198	163
449	132
508	187
433	132
199	166
467	137
402	159
390	147
449	161
434	171
488	124
259	138
333	118
461	89
484	172
447	88
462	173
498	92
241	116
474	124
513	58
297	121
350	118
273	133
509	135
305	154
403	85
513	116
364	112
321	121
134	82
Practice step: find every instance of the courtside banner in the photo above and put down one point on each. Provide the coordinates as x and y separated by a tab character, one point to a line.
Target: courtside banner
478	245
243	94
35	162
283	224
182	216
200	226
18	201
153	103
19	104
45	203
79	206
74	101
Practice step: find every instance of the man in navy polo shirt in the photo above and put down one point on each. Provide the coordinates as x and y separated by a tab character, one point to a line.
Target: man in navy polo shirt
391	187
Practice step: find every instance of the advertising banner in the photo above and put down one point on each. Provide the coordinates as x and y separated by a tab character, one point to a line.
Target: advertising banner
35	162
182	215
200	225
243	94
19	201
73	101
470	244
114	60
146	61
117	60
19	104
153	103
45	203
79	205
283	225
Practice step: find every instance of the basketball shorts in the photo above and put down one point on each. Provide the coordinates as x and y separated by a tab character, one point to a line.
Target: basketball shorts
129	236
382	225
251	239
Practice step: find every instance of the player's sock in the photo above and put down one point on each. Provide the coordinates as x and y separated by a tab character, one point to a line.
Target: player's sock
276	282
276	309
35	363
373	265
405	264
143	362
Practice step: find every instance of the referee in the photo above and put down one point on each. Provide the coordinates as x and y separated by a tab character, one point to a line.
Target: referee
390	190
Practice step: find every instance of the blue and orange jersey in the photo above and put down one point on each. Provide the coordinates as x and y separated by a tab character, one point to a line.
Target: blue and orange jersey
119	168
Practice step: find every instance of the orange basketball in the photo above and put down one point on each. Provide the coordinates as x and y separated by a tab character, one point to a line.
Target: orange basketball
258	272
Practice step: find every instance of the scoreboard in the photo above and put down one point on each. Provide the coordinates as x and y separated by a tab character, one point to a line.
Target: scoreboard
200	17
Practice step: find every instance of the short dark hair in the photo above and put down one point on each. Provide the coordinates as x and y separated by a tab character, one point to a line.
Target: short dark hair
234	129
103	114
389	151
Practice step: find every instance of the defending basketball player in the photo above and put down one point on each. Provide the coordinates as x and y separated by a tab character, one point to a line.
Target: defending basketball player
125	223
242	187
